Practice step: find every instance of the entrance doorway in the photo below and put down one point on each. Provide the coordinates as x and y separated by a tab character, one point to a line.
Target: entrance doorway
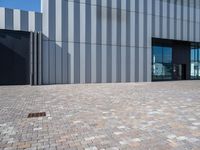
170	60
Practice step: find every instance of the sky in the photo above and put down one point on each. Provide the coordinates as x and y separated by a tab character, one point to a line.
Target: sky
33	5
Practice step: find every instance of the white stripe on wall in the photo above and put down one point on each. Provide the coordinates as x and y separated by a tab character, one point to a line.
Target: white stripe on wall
82	41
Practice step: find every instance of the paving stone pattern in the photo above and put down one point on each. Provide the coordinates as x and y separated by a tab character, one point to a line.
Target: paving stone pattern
131	116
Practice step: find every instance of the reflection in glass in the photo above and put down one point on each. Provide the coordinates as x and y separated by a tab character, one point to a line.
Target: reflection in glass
195	63
162	63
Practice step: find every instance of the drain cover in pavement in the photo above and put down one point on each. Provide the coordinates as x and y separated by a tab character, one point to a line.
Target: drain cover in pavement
38	114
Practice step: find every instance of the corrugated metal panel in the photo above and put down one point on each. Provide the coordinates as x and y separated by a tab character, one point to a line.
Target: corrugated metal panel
14	19
110	41
104	41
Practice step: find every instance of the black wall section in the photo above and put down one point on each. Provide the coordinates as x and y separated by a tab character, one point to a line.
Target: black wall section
181	55
14	57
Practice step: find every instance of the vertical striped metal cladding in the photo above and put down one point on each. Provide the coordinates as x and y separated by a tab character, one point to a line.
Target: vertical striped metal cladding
101	41
19	20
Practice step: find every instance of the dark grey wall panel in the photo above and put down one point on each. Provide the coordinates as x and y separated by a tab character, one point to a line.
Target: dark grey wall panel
9	19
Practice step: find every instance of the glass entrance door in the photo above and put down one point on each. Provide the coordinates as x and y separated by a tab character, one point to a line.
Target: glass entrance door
179	72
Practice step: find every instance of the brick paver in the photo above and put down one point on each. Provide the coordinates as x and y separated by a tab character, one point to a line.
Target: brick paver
143	116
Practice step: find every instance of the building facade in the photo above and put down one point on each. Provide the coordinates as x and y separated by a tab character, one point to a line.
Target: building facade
108	41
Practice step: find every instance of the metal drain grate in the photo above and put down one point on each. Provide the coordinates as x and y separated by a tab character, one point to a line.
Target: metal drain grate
39	114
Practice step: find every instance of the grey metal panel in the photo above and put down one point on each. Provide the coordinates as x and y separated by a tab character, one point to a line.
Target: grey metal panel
137	29
109	63
123	5
132	5
178	9
82	23
45	19
16	19
141	30
185	30
114	64
52	19
197	30
93	64
197	12
104	24
82	63
31	17
178	29
77	22
132	64
118	63
82	41
109	24
98	23
114	24
157	7
191	8
35	59
58	62
171	9
31	58
141	6
164	11
172	30
185	10
123	28
38	22
9	19
164	27
64	62
128	41
40	58
2	16
123	64
88	63
45	62
24	21
58	20
149	64
157	26
94	24
145	65
149	6
132	30
52	62
137	65
141	64
149	31
99	63
64	21
191	33
104	64
71	62
77	43
70	22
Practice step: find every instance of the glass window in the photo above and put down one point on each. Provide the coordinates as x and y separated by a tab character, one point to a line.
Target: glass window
162	63
195	63
157	54
167	55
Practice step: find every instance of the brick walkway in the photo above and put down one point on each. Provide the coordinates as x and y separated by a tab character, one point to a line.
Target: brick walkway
143	116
